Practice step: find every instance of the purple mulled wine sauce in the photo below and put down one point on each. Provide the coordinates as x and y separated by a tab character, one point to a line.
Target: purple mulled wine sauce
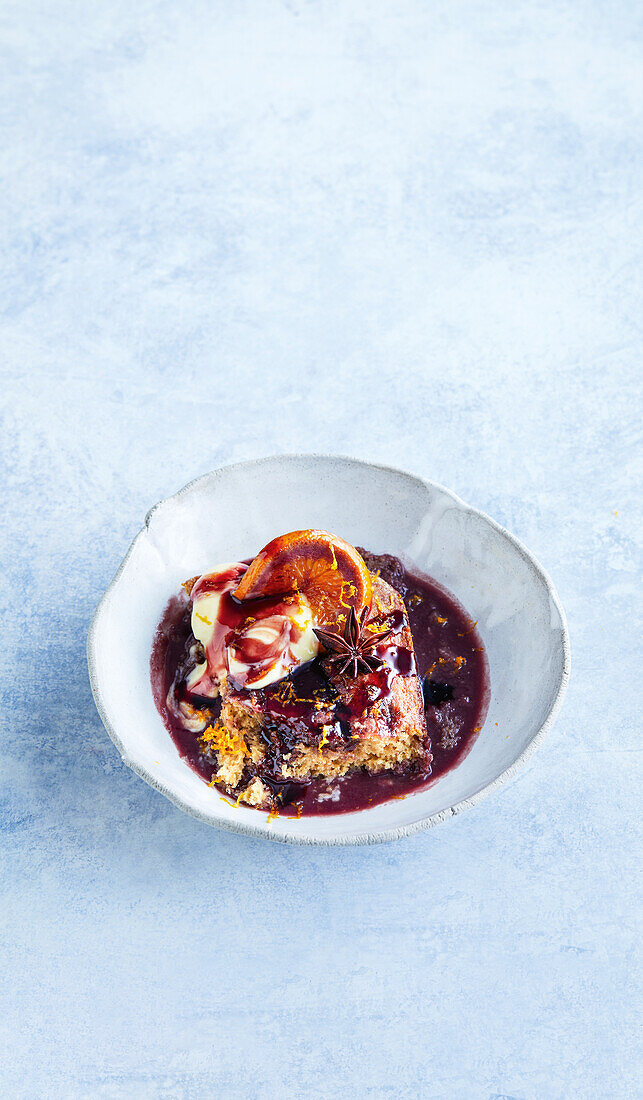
450	662
168	653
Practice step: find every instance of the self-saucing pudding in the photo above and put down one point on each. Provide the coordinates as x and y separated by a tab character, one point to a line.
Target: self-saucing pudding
318	678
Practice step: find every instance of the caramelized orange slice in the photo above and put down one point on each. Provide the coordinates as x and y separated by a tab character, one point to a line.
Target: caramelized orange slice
327	570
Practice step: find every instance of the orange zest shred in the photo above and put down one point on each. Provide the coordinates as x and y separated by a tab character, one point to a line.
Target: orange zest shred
228	802
376	628
273	814
457	663
219	738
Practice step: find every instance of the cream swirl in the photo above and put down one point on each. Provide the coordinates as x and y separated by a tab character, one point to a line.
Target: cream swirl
253	643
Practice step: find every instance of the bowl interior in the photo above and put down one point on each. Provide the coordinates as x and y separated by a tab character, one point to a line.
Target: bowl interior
230	514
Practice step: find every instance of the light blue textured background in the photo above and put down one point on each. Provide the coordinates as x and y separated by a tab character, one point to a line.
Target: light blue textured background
407	231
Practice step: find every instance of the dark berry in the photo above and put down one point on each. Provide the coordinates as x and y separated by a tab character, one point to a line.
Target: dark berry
435	692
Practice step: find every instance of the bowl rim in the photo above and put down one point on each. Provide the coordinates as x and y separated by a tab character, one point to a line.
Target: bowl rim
381	835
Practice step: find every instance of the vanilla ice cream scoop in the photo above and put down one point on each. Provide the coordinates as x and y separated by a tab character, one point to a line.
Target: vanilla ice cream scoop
254	643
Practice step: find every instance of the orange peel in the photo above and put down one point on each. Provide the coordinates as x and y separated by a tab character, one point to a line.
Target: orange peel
324	568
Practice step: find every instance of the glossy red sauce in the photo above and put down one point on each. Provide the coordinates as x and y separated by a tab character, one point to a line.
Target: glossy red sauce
450	661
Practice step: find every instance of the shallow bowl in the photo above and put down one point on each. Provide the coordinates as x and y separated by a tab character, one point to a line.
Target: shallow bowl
229	515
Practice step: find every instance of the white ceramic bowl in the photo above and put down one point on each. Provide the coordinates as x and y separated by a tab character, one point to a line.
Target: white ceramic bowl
229	515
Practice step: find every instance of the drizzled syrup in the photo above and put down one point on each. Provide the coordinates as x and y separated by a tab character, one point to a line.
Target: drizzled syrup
252	642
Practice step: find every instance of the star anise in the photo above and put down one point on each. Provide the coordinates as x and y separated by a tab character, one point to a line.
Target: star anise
354	646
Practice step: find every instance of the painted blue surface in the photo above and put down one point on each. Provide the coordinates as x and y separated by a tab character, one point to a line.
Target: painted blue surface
406	231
